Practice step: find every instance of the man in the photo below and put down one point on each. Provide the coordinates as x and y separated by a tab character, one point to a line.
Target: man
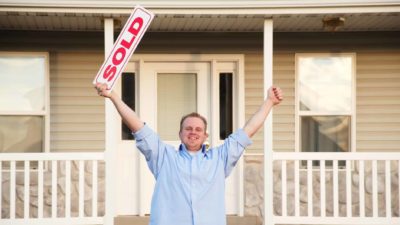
190	181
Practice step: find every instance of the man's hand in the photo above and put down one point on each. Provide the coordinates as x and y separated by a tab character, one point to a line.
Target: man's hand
129	117
275	95
102	90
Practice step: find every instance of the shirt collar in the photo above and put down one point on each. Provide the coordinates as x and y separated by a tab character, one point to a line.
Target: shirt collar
204	150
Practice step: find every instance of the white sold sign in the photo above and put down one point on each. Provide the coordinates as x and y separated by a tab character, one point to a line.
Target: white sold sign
124	47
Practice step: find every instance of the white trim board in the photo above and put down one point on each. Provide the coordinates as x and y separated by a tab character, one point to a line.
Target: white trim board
199	4
265	8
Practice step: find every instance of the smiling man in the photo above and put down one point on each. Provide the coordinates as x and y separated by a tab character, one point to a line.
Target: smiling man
190	180
192	131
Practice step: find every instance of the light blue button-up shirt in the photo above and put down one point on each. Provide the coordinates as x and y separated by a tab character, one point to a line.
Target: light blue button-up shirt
189	190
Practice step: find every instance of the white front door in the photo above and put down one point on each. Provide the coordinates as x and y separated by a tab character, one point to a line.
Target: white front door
167	91
168	87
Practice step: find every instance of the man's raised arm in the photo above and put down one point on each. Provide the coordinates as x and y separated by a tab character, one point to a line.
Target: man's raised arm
129	117
275	96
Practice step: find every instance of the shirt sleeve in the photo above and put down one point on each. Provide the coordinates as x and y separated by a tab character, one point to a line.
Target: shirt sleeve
151	146
233	148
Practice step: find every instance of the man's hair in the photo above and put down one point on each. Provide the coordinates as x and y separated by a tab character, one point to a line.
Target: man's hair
193	114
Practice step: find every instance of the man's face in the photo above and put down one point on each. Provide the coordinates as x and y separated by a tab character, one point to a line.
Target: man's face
193	133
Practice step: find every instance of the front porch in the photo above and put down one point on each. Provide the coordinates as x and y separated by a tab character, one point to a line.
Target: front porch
144	220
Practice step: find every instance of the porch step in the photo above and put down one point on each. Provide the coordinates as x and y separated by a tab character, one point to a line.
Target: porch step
144	220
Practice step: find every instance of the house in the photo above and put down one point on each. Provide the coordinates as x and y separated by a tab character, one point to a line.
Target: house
338	62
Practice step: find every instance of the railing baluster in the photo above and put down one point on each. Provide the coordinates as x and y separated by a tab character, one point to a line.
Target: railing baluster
388	189
12	190
335	189
284	188
323	188
362	189
26	188
94	184
40	189
1	188
68	188
374	189
81	188
54	188
309	188
296	188
348	189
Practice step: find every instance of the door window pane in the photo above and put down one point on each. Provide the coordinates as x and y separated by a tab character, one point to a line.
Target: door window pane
325	133
225	105
128	96
21	133
176	96
325	83
22	83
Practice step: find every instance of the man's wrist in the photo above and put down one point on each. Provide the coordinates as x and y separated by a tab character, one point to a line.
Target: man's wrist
113	95
269	102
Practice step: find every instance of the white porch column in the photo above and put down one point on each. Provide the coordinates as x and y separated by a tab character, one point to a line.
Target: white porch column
268	174
110	137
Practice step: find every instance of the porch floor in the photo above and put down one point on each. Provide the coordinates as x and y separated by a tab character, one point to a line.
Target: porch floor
144	220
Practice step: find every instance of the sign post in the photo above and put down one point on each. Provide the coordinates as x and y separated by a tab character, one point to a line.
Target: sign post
124	47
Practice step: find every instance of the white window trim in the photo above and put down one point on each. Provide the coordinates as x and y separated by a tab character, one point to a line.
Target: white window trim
351	113
46	111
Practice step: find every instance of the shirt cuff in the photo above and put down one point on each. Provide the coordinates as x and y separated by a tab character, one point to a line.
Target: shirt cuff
142	133
243	138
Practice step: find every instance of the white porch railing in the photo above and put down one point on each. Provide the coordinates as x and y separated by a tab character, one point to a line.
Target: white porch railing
63	188
335	188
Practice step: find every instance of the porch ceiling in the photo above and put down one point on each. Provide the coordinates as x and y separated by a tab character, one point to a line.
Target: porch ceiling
199	22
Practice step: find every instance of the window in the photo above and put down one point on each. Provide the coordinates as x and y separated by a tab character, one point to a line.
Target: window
225	105
129	97
325	102
176	96
24	110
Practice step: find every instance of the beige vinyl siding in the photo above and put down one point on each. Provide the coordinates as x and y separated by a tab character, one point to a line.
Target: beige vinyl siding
51	41
254	94
377	99
283	115
283	120
77	113
378	102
